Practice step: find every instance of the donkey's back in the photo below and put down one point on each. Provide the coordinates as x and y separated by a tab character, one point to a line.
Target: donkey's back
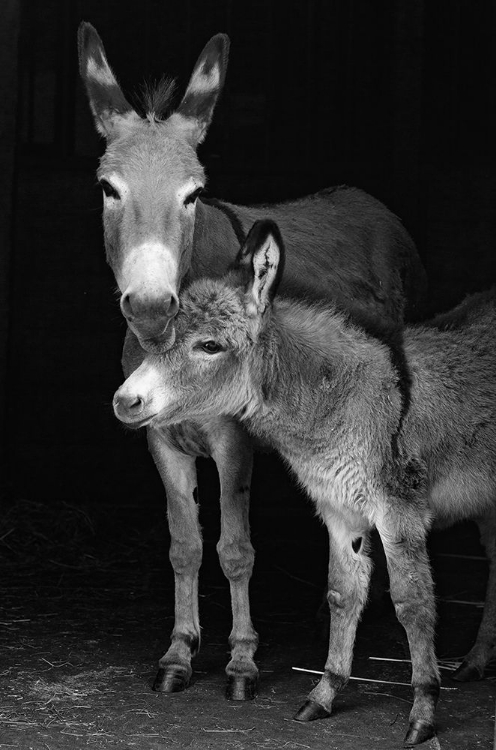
343	244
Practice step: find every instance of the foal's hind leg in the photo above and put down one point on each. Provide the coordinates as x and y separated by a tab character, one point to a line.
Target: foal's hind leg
403	538
232	451
348	582
178	473
472	667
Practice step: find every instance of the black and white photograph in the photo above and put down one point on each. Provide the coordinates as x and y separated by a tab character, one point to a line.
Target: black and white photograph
248	374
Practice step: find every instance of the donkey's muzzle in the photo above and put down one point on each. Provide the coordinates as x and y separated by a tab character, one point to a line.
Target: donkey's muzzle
149	316
150	319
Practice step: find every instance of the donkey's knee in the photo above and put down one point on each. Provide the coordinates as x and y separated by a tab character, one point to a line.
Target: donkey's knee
419	609
185	558
236	559
342	602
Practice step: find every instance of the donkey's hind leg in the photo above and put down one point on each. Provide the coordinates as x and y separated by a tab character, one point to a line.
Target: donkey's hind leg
178	473
484	649
231	450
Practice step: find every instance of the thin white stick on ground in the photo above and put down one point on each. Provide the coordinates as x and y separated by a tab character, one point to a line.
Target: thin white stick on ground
450	664
363	679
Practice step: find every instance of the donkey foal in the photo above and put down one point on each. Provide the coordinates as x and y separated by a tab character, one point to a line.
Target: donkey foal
329	397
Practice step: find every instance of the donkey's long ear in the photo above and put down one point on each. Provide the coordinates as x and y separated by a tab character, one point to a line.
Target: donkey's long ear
194	114
111	110
262	258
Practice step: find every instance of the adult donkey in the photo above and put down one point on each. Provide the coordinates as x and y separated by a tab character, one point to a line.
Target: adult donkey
341	244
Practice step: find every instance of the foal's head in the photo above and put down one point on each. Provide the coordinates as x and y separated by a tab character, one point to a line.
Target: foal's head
211	368
151	177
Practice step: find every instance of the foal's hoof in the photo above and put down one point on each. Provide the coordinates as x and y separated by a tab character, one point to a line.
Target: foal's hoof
466	673
241	688
419	731
170	680
310	711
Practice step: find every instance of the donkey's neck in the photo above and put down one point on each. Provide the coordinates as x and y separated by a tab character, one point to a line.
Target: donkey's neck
219	232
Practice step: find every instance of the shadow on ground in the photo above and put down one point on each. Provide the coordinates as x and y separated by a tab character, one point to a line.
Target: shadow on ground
87	607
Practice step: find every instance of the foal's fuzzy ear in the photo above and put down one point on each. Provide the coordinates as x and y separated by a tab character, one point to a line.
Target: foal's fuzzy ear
111	110
262	259
194	114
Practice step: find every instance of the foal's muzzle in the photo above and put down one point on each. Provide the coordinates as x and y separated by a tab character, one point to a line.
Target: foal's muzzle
130	409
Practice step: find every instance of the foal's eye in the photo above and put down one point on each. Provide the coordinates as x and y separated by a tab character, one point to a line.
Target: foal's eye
109	190
211	347
191	198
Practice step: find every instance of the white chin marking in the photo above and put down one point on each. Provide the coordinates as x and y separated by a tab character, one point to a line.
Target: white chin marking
161	343
151	268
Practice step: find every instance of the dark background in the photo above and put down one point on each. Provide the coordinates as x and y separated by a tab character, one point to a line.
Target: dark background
397	98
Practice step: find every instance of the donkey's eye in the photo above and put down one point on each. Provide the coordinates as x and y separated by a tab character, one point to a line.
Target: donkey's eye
211	347
109	190
191	198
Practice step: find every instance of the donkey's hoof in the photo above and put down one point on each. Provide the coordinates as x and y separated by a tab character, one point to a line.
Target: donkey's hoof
310	711
171	680
241	688
419	731
466	673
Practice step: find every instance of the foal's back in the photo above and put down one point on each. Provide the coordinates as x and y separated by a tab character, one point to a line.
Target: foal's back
452	421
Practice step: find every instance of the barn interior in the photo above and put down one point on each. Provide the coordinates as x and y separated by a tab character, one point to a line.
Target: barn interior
396	98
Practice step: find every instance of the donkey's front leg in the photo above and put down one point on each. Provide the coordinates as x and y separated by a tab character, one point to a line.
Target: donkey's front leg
403	536
178	473
349	576
232	451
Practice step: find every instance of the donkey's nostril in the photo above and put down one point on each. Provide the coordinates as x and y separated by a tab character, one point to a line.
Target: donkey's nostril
126	306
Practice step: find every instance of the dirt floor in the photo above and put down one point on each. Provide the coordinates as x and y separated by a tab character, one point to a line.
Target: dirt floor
86	609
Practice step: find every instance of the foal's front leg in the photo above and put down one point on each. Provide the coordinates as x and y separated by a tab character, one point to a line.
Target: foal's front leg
178	473
349	576
403	535
233	454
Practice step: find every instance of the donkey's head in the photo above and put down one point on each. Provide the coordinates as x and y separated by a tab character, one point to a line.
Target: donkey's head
214	365
150	177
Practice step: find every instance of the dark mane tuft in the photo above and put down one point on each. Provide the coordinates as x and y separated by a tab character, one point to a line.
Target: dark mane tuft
157	99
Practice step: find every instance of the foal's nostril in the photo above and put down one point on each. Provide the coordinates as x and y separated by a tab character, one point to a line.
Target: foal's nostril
173	307
135	405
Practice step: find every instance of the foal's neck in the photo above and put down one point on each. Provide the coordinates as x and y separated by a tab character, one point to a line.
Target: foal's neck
311	360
